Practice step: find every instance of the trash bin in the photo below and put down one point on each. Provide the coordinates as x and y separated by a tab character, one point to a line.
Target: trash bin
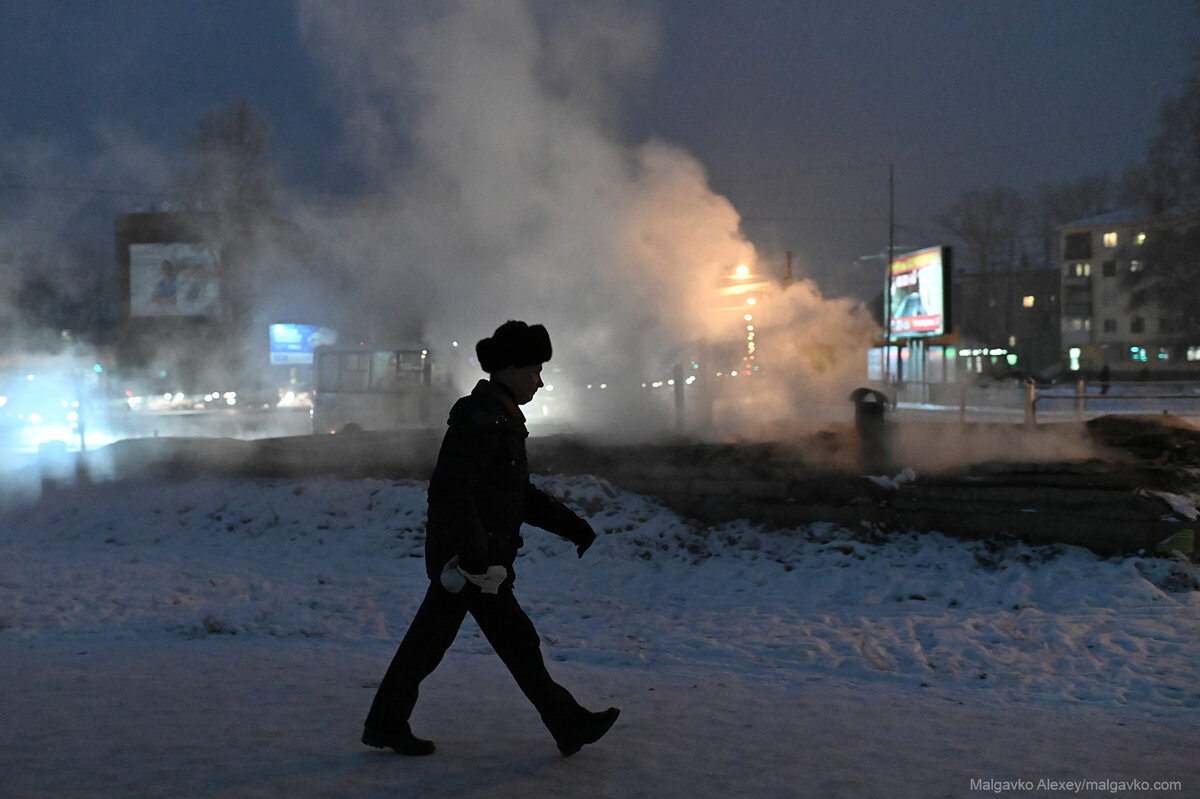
870	406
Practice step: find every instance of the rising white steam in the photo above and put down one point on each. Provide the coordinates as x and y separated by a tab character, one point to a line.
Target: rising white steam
504	191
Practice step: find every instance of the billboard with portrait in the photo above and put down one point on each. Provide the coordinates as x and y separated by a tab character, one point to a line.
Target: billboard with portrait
918	292
176	279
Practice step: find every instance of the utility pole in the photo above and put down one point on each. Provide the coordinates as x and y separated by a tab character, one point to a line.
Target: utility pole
887	279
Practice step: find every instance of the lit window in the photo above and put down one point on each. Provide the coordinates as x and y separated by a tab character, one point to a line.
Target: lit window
1136	266
1083	270
1193	354
1110	239
1027	301
1140	238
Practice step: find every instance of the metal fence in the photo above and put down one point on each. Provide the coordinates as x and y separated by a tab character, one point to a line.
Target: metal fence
1030	402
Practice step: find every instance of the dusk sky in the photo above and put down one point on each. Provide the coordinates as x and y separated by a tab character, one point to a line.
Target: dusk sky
794	109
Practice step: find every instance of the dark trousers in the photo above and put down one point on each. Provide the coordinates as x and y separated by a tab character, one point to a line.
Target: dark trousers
507	629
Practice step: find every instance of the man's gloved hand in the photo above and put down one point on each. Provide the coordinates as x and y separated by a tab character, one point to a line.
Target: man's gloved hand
583	537
452	578
488	582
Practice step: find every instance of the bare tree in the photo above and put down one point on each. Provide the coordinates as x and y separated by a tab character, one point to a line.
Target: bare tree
991	224
1169	182
233	174
233	186
1067	202
1167	185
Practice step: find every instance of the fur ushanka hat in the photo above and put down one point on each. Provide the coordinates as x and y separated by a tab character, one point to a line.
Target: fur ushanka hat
514	344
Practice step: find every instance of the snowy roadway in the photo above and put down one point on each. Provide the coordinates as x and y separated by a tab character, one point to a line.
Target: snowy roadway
216	637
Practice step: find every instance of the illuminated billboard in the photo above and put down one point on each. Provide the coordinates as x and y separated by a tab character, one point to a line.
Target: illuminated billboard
294	344
918	290
174	279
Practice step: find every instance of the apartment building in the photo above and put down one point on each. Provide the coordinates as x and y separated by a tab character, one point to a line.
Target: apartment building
1100	326
1009	320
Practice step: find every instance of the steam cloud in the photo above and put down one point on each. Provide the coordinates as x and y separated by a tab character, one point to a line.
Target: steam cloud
500	187
520	201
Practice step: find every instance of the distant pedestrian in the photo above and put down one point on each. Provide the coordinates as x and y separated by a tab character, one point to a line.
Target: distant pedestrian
1105	377
479	495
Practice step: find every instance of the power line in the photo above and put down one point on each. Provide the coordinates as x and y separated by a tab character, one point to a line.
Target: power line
322	198
910	158
831	220
64	188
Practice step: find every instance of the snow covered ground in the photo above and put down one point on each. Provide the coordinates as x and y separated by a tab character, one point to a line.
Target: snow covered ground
218	637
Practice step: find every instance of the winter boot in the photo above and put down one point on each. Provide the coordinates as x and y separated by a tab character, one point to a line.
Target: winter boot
402	740
588	731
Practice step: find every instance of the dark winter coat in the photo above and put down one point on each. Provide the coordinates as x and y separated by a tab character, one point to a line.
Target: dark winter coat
480	493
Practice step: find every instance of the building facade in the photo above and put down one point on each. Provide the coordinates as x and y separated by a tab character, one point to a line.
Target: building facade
1008	320
1100	325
